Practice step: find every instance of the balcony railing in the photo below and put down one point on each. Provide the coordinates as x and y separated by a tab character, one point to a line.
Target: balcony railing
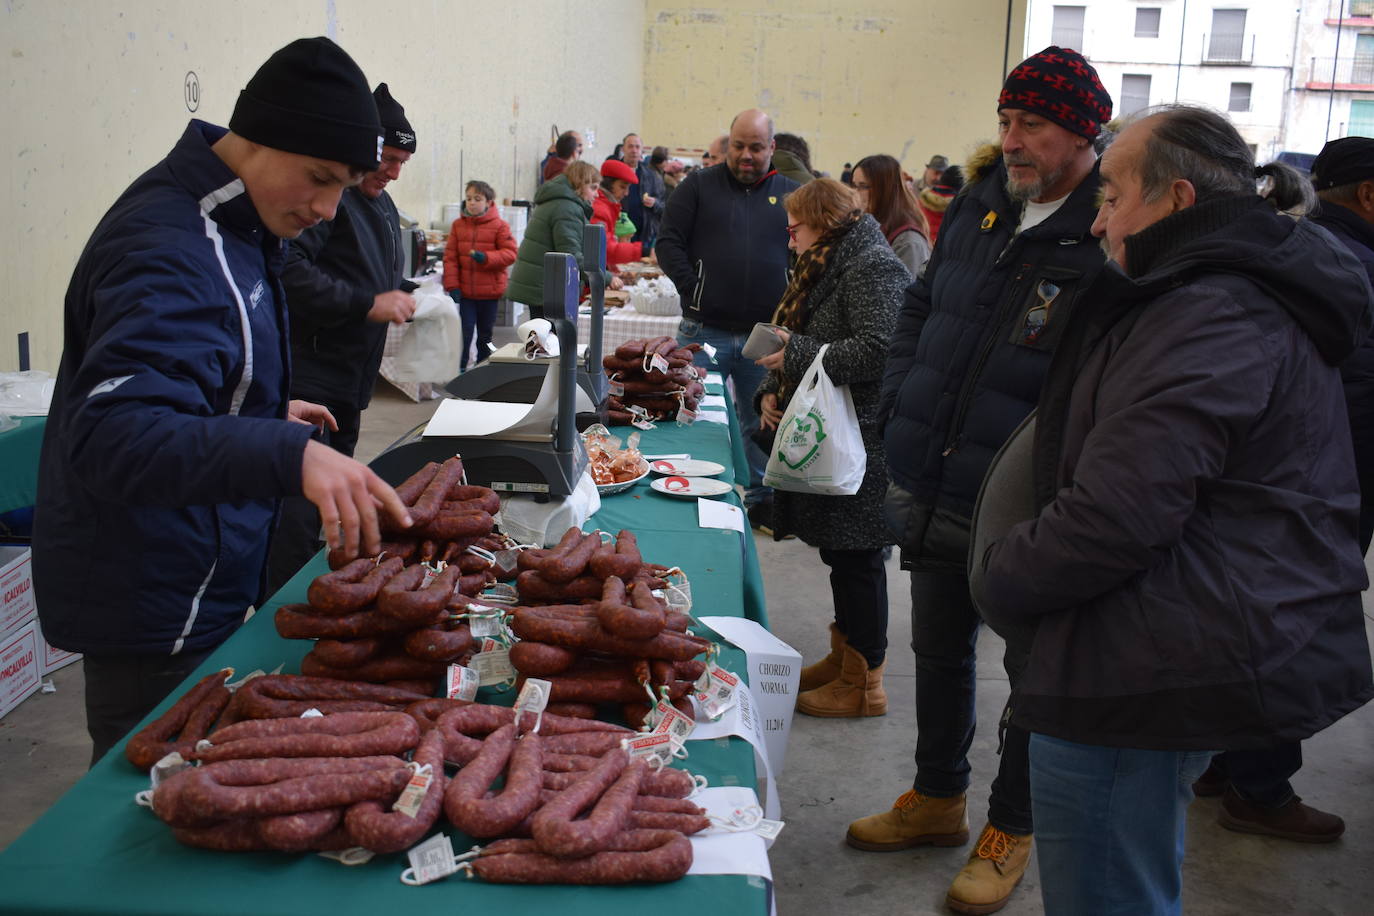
1351	73
1228	48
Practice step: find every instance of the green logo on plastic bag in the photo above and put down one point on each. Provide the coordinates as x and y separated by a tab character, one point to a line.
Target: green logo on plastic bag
801	442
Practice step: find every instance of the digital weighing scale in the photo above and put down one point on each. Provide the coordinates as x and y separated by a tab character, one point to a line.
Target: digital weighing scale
543	460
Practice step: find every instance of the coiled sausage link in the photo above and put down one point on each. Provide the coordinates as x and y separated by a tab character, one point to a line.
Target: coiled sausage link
154	740
345	734
479	816
375	827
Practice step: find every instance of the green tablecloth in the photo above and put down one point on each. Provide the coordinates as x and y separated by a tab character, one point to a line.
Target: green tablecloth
19	449
96	852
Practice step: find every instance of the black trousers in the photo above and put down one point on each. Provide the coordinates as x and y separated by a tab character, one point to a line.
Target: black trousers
944	636
1262	776
297	538
858	587
122	689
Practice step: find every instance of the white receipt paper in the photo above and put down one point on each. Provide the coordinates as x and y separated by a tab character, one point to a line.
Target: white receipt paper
712	513
713	400
730	854
499	419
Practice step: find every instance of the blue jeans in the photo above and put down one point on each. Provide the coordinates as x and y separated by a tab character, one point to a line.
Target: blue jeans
1110	825
746	378
944	636
479	316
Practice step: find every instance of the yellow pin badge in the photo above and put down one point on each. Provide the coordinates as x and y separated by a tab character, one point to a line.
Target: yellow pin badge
772	199
989	220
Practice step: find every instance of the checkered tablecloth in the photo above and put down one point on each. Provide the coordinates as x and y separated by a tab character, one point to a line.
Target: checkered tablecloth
624	324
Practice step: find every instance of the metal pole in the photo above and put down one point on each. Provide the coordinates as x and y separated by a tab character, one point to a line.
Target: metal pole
1331	99
1006	43
1182	30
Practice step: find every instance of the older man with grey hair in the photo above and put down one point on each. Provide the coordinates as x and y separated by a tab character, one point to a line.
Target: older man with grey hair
1190	569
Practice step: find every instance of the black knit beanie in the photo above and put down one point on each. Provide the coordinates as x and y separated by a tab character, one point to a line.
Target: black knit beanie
311	98
1059	84
396	129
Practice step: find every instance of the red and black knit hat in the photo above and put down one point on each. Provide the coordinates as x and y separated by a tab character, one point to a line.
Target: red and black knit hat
1059	84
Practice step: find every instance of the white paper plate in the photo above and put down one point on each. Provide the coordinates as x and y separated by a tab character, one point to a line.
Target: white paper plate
686	467
690	487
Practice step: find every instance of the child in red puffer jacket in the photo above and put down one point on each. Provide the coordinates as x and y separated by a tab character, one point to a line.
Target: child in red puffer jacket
480	248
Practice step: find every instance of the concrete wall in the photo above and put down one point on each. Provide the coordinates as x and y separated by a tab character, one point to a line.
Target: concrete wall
95	94
1319	113
906	77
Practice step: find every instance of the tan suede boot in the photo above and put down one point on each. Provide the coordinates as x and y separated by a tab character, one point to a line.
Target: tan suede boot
828	668
914	820
858	691
994	869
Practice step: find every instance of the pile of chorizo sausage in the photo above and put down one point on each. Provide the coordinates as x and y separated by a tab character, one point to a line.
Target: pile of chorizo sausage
369	770
573	806
659	390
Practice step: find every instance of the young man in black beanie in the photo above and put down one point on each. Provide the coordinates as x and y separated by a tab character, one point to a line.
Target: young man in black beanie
171	436
973	343
343	281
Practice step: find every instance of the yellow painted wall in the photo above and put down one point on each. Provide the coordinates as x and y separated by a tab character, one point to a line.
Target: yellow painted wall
93	96
910	78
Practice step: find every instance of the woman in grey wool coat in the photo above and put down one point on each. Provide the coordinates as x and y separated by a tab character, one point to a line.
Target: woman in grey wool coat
845	291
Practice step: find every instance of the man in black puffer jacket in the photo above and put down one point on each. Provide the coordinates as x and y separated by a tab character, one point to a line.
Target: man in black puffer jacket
973	342
1192	575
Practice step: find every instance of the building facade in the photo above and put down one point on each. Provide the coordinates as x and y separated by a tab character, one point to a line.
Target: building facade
1289	74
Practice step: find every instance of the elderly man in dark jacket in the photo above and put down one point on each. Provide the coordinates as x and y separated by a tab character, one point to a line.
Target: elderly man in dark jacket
1192	573
973	342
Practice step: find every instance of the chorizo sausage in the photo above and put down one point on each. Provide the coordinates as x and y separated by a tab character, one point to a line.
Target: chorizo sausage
484	498
345	734
374	827
612	785
622	560
643	619
573	710
298	621
538	659
276	696
154	740
686	824
410	489
215	795
427	712
355	586
633	856
436	644
298	832
533	585
384	668
459	523
533	623
465	803
408	599
347	653
536	557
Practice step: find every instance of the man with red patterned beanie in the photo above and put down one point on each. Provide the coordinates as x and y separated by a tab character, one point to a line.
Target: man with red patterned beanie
972	346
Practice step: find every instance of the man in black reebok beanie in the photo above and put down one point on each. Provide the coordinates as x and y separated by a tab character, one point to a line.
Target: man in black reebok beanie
344	285
170	438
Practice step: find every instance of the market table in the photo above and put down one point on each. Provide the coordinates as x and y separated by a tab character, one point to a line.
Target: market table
19	451
96	852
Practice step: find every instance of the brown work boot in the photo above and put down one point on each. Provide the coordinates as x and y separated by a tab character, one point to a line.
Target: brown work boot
1290	821
993	870
858	691
828	668
914	820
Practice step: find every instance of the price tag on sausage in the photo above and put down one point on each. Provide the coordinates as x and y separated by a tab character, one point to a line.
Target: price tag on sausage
658	745
430	573
492	664
534	696
485	621
461	683
432	859
672	721
767	829
715	691
658	362
414	792
686	416
710	351
615	387
168	766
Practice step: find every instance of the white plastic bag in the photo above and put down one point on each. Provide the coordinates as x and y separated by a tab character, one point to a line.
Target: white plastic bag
818	447
433	342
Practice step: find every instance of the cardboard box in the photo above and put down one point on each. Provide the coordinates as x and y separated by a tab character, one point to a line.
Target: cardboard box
16	588
51	657
19	666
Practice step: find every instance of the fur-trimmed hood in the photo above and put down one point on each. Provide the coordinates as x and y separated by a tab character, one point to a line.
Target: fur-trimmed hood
981	162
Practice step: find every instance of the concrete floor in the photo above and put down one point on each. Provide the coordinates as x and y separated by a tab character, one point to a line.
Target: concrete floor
838	770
